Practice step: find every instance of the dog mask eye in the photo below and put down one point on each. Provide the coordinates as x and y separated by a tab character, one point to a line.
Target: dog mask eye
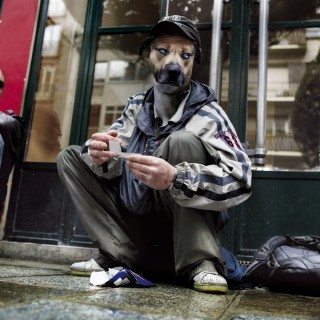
162	51
186	56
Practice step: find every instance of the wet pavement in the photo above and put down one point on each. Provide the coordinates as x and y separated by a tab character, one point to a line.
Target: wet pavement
37	290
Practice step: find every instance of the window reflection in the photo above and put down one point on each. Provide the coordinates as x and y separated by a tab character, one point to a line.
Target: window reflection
293	91
201	72
54	100
130	12
306	114
119	73
199	11
289	10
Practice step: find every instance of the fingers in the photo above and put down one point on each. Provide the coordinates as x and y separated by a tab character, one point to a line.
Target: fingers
152	171
98	146
136	160
113	133
106	136
139	170
140	164
99	141
140	167
142	177
96	150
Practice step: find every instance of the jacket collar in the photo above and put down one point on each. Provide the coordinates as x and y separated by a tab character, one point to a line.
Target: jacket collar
199	96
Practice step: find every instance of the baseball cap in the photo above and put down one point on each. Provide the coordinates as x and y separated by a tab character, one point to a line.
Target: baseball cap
175	25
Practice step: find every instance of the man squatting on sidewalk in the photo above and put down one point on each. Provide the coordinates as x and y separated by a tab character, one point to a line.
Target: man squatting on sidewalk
158	211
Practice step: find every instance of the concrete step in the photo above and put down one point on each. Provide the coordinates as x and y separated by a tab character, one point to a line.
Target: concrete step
58	254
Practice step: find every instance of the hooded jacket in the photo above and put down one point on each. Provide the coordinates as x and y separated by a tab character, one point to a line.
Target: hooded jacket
215	187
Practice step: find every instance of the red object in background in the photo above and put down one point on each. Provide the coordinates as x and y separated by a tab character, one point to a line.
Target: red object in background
17	23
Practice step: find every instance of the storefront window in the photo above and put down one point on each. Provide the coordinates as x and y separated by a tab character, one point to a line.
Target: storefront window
130	12
119	73
57	80
199	11
293	89
289	10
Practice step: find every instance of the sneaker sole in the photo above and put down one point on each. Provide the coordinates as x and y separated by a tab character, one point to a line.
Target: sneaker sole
210	288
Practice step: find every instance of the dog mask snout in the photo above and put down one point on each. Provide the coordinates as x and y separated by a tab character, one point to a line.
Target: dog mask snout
171	74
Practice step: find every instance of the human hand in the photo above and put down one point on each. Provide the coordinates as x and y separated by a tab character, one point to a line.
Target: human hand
98	146
152	171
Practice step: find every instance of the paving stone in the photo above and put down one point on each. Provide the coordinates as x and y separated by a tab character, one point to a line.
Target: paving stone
14	294
34	291
57	281
57	310
267	304
164	299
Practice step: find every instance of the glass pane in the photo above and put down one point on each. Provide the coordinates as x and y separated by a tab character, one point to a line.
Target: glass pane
293	92
201	71
225	61
197	10
130	12
289	10
54	99
119	74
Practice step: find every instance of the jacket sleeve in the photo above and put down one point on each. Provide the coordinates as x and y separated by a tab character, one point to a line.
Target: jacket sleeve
124	125
226	181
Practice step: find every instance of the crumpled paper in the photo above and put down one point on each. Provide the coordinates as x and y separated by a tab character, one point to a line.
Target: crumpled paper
118	277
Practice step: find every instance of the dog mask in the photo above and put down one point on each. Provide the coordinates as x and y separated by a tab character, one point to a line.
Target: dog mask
171	59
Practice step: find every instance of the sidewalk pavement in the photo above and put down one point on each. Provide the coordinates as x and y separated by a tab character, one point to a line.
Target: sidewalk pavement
36	290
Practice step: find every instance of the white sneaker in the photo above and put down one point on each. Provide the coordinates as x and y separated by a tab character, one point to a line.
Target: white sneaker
84	268
210	282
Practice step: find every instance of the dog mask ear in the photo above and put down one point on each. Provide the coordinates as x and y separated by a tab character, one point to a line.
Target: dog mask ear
146	45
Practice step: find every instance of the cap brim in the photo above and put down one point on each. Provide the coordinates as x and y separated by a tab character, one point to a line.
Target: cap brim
172	28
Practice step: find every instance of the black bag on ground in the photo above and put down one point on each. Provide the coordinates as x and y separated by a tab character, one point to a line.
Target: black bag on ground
287	264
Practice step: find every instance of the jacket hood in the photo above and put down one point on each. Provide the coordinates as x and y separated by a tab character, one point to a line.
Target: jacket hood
200	95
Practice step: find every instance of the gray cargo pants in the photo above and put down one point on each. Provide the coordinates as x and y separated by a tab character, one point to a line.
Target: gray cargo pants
170	241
